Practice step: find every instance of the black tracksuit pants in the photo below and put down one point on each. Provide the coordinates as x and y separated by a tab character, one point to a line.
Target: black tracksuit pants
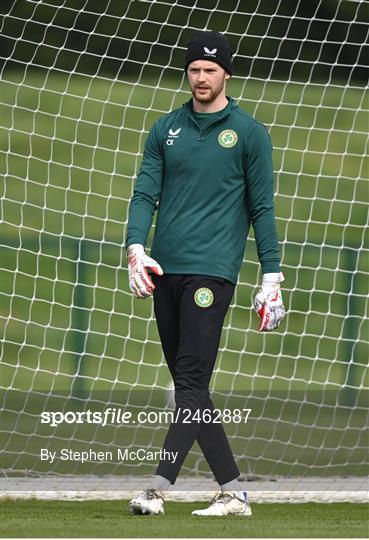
190	335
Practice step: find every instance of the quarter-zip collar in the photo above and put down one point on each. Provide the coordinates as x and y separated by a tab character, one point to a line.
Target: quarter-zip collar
214	118
188	107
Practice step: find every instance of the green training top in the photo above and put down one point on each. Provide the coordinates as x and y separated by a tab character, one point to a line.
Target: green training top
210	177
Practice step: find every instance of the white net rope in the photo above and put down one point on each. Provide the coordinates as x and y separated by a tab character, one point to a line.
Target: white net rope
81	84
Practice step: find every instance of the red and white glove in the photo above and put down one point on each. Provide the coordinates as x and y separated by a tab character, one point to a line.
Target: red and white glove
139	279
268	302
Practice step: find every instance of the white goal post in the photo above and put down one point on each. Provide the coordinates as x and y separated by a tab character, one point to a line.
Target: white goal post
82	82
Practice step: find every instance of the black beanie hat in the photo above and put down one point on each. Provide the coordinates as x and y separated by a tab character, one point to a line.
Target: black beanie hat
211	46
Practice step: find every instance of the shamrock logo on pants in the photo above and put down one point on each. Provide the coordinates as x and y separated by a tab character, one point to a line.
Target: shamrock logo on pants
204	297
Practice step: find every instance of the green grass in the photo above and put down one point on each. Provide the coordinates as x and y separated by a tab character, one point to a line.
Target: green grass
101	519
71	147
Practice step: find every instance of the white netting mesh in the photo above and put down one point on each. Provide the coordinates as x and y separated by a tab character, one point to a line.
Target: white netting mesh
82	82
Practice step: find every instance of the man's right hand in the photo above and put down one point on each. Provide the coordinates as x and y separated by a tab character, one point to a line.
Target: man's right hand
139	280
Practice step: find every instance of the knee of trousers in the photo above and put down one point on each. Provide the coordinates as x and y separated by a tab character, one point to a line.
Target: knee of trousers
190	397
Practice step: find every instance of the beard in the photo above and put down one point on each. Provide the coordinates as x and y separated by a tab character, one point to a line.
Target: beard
210	95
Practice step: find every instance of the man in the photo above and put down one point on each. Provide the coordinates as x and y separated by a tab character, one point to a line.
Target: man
207	168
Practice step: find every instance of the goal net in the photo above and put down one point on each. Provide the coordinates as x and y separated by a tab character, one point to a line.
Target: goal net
82	82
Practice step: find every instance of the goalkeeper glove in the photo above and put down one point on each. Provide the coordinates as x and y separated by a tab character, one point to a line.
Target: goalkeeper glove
139	280
268	302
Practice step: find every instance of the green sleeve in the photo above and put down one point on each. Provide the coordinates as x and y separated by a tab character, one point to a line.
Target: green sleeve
260	198
146	192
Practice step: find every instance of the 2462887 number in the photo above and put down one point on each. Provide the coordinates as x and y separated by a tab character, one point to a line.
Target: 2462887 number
216	416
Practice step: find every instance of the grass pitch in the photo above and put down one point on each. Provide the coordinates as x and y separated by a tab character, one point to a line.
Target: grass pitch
101	519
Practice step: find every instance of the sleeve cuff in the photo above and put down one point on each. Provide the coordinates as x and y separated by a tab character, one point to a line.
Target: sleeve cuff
270	267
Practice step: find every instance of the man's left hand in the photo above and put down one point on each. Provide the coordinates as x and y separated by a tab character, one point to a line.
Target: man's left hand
268	302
